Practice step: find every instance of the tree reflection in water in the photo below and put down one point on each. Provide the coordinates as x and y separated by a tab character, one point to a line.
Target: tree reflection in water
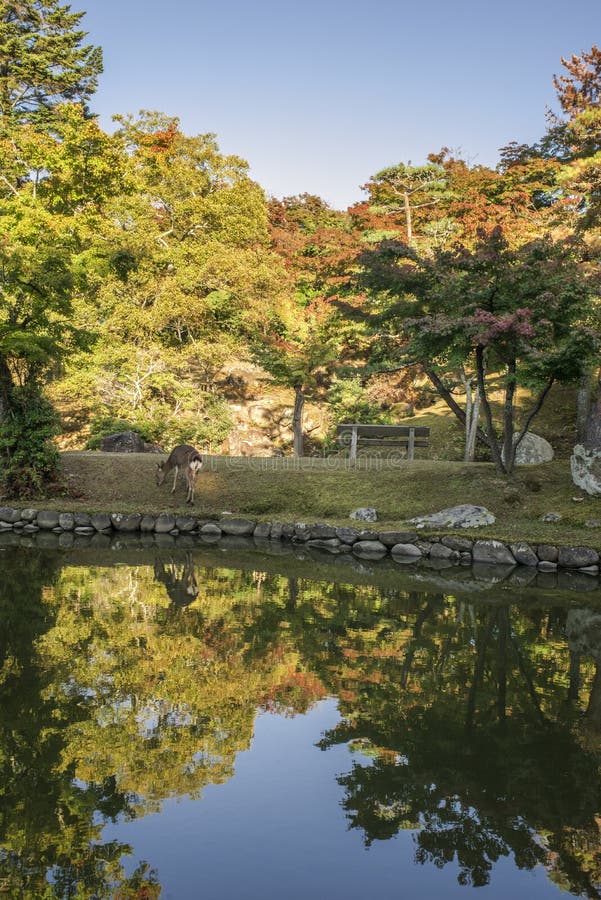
122	686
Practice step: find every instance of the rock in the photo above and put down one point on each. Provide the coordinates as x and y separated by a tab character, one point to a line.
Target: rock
147	524
66	521
164	524
463	545
586	469
122	442
331	544
545	565
7	514
126	523
493	552
369	549
82	519
409	550
577	557
524	554
390	538
439	551
186	523
237	526
276	531
550	517
322	532
302	532
364	514
463	516
28	515
101	522
47	519
347	535
547	553
210	529
263	530
532	450
592	523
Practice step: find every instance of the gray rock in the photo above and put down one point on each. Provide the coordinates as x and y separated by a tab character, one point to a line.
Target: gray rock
276	531
577	557
320	531
237	526
164	524
122	442
126	523
390	538
331	544
550	517
532	450
302	532
589	570
347	535
82	519
7	514
368	536
147	524
409	550
85	529
28	515
211	529
30	528
464	516
493	552
369	549
47	519
524	554
101	522
593	523
263	530
547	553
585	466
463	545
364	514
545	565
66	521
439	551
185	524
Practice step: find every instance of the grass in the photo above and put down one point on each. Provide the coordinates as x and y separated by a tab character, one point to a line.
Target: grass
317	490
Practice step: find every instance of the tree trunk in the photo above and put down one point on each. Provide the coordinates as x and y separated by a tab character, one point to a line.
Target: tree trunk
472	412
6	384
592	428
508	445
490	429
583	405
297	422
448	398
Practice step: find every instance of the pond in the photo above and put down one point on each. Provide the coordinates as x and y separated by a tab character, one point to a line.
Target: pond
193	722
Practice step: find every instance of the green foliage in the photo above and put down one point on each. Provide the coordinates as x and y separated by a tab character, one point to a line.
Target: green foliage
31	460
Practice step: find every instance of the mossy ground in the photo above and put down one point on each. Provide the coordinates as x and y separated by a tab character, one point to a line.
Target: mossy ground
313	490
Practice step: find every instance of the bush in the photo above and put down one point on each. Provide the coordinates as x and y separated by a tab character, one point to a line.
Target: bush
31	460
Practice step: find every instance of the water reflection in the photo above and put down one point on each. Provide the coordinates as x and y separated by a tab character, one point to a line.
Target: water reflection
475	726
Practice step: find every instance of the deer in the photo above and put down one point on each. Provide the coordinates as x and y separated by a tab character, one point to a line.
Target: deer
183	457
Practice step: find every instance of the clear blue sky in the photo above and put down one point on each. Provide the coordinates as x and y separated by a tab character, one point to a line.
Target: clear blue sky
318	95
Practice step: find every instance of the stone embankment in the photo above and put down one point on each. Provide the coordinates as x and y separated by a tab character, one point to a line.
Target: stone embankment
403	546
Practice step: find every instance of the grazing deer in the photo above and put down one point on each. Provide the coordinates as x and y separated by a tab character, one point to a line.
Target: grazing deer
182	457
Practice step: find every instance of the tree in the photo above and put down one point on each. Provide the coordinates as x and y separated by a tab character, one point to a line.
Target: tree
407	190
43	62
515	314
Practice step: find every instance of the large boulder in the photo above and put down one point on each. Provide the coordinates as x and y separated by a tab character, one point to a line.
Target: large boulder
464	516
586	469
123	442
532	450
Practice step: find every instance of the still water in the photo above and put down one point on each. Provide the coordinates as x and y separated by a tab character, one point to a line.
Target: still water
194	723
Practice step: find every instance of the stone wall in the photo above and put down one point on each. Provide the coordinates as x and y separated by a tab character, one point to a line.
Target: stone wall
405	547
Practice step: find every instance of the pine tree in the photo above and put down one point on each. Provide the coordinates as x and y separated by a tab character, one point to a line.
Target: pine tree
43	61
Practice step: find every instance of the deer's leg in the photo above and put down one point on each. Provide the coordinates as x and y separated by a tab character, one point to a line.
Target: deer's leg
191	479
175	479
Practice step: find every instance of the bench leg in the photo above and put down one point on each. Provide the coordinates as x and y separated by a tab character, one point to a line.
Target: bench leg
411	448
353	450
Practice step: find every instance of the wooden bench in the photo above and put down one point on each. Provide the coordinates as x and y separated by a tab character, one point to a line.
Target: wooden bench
352	435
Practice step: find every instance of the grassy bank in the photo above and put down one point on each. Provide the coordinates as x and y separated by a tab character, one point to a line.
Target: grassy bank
313	490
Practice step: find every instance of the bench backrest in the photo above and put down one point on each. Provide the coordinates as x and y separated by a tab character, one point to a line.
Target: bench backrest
389	431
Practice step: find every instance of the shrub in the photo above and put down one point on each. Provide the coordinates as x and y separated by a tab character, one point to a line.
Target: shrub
31	460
